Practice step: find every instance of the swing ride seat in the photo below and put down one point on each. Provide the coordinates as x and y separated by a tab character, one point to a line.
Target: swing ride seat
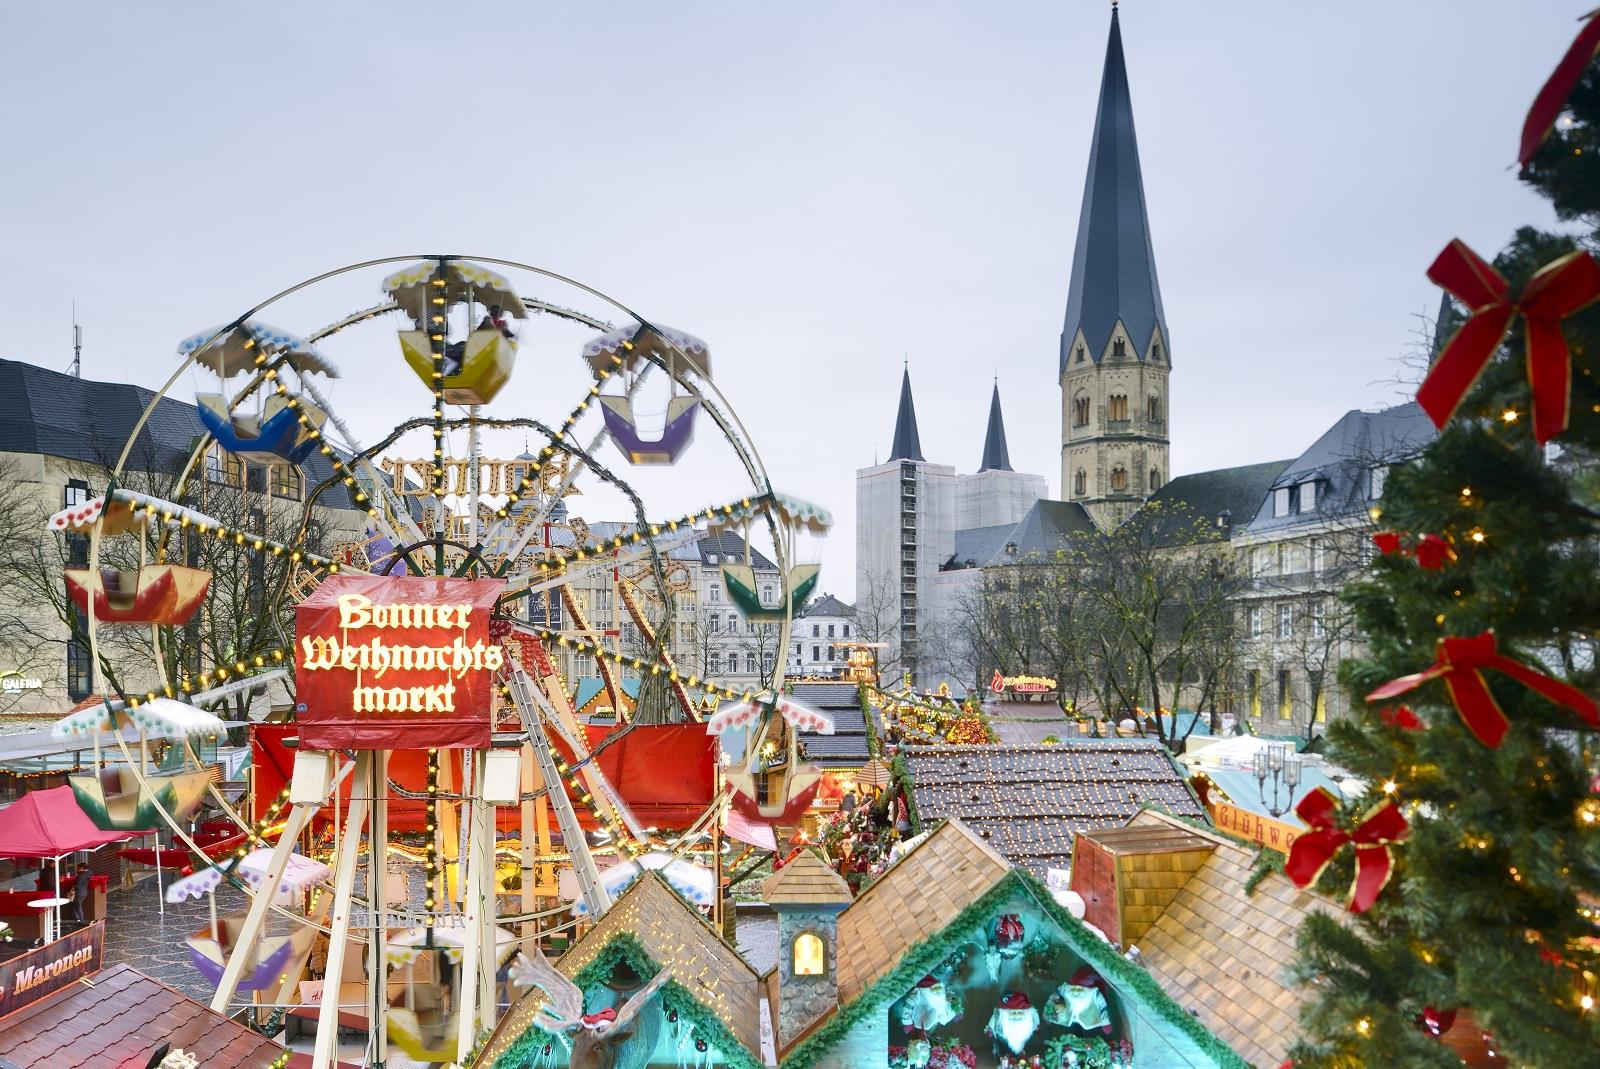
424	1036
740	579
676	435
210	949
113	800
486	364
166	594
776	796
273	437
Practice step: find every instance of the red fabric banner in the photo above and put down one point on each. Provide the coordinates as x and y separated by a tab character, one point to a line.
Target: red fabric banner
396	662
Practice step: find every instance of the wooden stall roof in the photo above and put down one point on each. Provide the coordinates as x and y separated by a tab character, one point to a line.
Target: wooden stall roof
1149	839
119	1015
676	936
1223	953
915	898
806	879
1031	800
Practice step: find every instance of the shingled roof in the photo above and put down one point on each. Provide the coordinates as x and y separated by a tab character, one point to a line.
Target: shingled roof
120	1019
672	935
847	747
805	880
1028	801
1222	952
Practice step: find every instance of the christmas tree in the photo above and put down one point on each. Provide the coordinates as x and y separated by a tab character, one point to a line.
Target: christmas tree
1475	859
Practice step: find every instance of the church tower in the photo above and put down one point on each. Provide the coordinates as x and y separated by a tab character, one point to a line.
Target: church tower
1114	344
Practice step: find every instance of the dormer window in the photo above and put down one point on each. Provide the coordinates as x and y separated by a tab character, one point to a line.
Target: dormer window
810	955
1308	495
1280	501
1375	482
1155	352
1080	353
1118	347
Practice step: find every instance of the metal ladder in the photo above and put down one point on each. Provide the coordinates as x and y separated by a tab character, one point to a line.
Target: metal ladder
583	866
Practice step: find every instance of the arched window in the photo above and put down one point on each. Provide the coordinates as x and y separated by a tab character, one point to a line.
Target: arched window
1117	347
1080	354
1119	478
1080	410
810	955
1155	479
1153	409
1117	408
1080	482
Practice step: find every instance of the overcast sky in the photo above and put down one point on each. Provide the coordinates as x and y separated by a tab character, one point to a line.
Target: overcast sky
819	190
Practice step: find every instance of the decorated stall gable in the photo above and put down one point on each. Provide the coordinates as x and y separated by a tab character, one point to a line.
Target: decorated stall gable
396	662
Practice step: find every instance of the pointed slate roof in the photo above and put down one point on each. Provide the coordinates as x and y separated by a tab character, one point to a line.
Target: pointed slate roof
1113	267
906	444
995	455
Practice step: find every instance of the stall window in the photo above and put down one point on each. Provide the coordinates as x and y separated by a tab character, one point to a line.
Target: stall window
810	955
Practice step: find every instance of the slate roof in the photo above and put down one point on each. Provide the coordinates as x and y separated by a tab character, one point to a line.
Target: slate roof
1028	801
1222	952
57	415
1236	493
995	455
827	605
1045	529
728	547
906	446
977	546
121	1019
847	746
1342	458
1113	265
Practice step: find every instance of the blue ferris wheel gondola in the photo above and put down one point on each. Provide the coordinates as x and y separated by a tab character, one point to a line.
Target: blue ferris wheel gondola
275	437
286	427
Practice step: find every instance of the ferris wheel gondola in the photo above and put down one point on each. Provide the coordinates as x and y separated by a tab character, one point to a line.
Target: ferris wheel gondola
627	352
149	593
282	427
118	797
471	371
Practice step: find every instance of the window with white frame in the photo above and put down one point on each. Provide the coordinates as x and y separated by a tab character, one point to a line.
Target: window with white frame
1319	619
1375	481
716	593
1308	495
1280	501
1283	558
716	663
1285	620
1253	621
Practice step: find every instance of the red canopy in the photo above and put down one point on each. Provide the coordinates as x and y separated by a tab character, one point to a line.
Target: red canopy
50	824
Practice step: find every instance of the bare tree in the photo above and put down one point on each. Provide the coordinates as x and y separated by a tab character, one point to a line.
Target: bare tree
876	616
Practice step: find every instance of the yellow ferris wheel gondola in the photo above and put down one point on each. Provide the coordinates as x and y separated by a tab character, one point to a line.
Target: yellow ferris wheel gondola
474	369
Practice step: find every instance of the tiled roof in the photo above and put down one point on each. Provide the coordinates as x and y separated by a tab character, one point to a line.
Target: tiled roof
121	1018
676	936
917	897
1206	496
1222	952
847	746
1028	801
58	415
805	879
1341	459
1045	529
827	605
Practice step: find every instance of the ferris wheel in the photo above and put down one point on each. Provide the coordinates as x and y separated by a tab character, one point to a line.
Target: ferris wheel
303	493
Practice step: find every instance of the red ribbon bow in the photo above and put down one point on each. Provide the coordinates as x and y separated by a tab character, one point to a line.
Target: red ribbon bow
1314	850
1431	551
1555	91
1556	290
1461	663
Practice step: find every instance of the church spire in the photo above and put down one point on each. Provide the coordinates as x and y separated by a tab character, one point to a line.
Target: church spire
995	455
906	444
1113	267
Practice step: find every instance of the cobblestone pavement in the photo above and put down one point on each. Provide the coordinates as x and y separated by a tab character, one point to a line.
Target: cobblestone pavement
152	941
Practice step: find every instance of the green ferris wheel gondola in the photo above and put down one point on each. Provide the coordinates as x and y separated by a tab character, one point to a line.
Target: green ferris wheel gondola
740	579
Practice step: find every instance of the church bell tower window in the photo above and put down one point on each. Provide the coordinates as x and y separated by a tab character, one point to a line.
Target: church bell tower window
1119	478
1117	348
1080	482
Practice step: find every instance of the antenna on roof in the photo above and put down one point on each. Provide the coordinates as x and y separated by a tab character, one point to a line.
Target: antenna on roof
77	344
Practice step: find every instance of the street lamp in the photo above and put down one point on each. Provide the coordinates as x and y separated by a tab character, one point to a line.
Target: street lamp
1281	764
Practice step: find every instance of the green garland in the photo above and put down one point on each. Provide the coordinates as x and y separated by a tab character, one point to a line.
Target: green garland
1267	861
874	748
902	777
625	948
972	924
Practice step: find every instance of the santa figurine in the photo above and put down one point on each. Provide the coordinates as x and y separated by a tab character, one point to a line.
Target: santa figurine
1013	1022
927	1006
1079	1002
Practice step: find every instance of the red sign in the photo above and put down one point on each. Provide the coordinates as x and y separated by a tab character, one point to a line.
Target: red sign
51	967
396	662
